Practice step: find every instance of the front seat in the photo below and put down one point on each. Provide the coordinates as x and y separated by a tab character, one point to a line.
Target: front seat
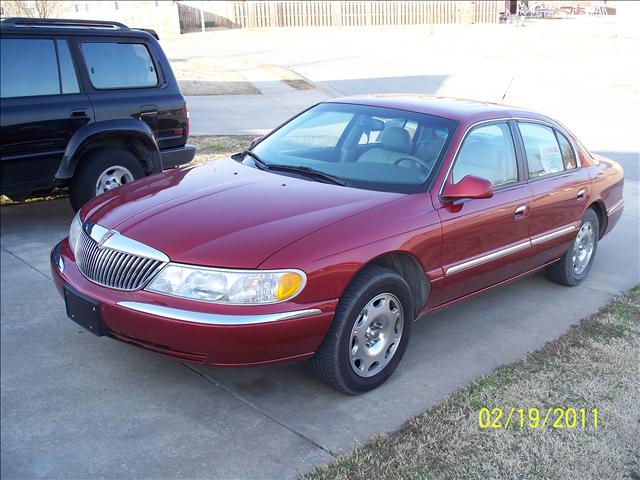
395	143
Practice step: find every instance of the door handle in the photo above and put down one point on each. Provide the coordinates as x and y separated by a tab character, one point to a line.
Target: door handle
520	212
581	194
80	113
148	110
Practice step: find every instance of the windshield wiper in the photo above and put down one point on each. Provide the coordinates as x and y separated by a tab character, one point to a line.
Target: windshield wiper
309	172
306	171
261	164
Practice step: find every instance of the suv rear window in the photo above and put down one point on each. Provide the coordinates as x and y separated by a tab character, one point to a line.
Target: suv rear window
29	67
119	65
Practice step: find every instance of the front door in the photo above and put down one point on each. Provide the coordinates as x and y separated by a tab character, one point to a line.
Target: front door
485	241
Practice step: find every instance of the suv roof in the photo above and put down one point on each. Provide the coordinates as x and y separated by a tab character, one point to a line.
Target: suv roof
71	26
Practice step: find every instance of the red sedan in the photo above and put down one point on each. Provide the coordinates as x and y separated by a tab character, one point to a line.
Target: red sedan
328	237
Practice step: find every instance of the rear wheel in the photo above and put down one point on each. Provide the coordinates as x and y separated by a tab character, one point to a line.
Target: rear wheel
576	262
369	333
101	171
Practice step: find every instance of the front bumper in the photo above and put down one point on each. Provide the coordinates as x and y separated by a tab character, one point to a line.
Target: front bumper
177	156
198	332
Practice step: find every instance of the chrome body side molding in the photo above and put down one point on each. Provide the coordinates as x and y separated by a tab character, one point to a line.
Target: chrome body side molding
215	319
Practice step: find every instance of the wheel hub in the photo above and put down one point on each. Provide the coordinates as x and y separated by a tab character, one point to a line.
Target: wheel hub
376	335
113	177
583	248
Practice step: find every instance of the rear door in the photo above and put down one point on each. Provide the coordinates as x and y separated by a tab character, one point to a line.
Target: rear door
125	80
560	190
42	107
485	241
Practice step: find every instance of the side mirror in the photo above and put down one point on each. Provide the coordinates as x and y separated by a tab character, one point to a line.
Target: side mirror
469	187
255	141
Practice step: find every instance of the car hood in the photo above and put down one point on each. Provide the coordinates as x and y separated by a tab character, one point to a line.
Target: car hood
224	213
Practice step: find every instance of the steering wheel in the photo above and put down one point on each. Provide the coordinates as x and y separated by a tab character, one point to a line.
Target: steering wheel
424	166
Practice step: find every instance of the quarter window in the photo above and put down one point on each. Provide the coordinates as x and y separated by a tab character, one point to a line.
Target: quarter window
568	153
488	152
119	65
28	68
541	146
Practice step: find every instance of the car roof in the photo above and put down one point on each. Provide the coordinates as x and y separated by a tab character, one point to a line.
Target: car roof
459	109
57	26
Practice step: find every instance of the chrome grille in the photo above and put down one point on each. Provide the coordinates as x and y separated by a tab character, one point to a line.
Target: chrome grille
114	268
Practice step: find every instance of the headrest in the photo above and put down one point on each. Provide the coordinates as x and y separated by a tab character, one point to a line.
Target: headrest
396	139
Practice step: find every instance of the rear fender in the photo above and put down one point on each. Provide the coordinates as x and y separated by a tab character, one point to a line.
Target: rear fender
124	131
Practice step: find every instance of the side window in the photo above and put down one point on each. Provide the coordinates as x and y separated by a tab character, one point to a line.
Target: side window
28	68
322	131
568	154
542	149
488	152
119	65
67	71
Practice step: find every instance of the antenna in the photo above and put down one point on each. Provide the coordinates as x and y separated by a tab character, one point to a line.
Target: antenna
507	90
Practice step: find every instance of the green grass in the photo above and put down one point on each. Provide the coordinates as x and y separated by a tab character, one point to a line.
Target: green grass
595	364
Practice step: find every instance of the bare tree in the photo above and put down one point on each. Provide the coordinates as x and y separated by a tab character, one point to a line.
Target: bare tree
35	8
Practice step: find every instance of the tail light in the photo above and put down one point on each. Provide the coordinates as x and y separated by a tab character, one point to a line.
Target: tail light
184	131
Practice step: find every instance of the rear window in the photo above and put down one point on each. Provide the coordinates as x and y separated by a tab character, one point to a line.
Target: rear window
28	68
119	65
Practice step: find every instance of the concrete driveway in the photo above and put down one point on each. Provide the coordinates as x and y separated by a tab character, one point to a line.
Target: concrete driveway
76	406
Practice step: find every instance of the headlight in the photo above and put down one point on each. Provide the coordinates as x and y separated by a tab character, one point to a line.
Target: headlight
74	232
240	287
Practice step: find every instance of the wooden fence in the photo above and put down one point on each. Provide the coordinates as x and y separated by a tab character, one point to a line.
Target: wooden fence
325	13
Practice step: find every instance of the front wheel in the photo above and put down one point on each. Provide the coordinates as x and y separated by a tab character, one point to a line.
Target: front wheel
576	262
369	334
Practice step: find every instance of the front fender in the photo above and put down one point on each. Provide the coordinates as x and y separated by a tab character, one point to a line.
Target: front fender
122	129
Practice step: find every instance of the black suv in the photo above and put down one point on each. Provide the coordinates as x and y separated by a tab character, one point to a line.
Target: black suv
87	105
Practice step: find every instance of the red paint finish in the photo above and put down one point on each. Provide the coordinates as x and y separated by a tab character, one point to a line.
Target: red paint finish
226	214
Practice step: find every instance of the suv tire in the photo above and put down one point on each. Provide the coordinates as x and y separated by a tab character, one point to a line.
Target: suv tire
369	333
111	167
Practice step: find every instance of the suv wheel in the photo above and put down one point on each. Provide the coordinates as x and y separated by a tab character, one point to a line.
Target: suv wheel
103	170
369	333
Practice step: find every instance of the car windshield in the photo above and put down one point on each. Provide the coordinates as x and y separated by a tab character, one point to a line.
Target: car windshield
368	147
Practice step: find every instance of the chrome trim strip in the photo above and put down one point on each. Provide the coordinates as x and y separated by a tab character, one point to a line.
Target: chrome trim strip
487	258
616	206
215	319
545	237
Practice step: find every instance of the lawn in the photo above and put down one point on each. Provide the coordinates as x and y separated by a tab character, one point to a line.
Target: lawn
596	364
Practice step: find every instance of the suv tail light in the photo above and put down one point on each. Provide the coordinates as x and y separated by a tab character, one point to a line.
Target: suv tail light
186	112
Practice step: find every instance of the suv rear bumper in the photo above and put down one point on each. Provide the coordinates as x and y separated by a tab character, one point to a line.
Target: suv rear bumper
177	156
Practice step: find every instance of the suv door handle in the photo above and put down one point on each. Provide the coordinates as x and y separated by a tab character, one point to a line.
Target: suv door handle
520	212
148	110
80	113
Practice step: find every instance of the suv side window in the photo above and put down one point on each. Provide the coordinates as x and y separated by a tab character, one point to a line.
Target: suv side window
119	65
541	146
488	152
28	68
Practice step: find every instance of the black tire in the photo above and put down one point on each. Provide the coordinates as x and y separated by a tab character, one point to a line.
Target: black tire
92	165
562	271
332	363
